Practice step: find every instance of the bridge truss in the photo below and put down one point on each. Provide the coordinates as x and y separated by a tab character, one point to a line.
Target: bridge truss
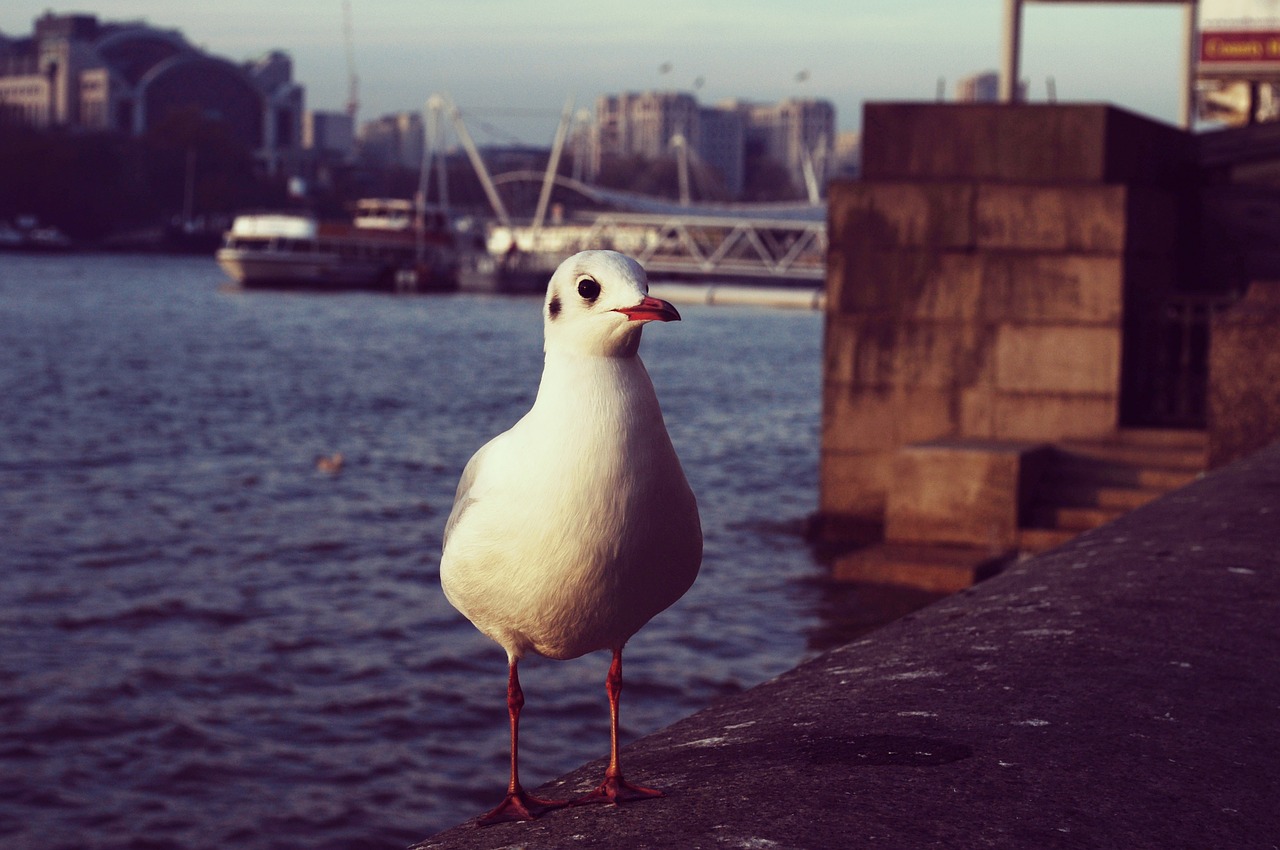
787	242
695	245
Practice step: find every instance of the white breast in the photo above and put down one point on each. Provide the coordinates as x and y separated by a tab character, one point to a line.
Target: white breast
577	526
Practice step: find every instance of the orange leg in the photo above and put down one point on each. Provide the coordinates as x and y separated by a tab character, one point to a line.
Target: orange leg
518	804
615	789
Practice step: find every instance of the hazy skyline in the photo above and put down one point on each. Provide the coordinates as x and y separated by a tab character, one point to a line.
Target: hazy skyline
510	65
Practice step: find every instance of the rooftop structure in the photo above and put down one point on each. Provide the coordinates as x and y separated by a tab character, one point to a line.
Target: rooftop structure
979	88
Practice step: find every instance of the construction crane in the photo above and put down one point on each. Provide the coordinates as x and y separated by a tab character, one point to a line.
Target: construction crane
353	82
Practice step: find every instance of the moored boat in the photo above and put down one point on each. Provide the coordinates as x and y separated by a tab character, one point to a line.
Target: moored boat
389	244
27	234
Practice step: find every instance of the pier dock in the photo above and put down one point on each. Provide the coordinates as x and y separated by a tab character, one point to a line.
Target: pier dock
1120	691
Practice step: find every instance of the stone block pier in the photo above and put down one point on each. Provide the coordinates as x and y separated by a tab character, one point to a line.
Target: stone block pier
1038	316
1122	691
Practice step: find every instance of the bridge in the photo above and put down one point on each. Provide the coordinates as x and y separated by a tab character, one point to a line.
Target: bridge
685	244
780	242
635	202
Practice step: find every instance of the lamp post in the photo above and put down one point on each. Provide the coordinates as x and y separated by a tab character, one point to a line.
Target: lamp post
1011	50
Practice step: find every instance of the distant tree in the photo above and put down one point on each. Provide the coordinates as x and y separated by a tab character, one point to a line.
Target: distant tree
20	168
618	172
766	179
659	178
226	176
96	184
86	184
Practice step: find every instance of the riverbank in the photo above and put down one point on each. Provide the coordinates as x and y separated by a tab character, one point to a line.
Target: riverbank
1120	691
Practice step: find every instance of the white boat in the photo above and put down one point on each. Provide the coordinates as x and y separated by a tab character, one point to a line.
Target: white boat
389	244
27	234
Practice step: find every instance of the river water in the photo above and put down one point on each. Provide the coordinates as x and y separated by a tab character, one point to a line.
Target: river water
210	642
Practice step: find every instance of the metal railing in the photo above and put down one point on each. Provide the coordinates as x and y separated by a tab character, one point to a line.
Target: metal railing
1168	354
710	246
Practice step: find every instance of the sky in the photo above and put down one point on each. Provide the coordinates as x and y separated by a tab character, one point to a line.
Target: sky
510	65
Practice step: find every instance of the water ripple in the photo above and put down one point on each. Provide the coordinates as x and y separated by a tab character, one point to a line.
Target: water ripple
211	643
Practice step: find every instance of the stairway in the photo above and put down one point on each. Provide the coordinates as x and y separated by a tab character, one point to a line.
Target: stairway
1090	482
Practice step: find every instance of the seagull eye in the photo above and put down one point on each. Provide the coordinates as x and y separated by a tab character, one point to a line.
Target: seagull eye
588	289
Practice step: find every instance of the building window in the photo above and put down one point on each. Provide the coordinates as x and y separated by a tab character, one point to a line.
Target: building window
284	128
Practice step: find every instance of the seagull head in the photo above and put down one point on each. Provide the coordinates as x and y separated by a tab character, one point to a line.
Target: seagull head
597	302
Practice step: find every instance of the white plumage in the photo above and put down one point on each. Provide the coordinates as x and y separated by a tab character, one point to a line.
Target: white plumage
574	528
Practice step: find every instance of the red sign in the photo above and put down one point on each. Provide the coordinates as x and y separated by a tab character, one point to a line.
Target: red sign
1243	47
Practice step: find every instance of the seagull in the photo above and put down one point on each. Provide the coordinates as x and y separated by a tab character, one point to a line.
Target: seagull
576	527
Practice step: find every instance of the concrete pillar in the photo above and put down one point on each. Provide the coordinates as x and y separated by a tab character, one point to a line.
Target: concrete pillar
1190	58
1011	51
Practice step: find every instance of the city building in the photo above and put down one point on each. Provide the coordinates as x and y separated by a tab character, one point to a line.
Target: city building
798	134
284	100
644	124
394	140
979	88
329	134
848	154
723	147
130	77
984	87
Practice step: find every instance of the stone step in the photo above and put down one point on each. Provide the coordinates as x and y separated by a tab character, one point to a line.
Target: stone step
1080	471
1036	540
1072	518
1167	479
940	569
1182	458
1083	494
1185	438
1091	482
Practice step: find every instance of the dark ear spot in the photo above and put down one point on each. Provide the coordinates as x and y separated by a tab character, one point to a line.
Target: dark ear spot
553	306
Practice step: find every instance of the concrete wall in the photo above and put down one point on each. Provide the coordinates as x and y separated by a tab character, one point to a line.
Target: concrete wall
1244	375
979	277
1024	143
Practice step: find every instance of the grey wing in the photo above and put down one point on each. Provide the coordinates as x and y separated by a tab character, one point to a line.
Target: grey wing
464	498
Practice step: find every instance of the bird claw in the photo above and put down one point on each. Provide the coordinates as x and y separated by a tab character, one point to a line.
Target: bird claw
615	789
519	806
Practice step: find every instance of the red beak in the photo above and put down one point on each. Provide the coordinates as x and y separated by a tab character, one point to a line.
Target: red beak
650	310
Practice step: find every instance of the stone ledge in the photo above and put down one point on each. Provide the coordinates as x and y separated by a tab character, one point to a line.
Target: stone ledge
932	568
962	492
1118	692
